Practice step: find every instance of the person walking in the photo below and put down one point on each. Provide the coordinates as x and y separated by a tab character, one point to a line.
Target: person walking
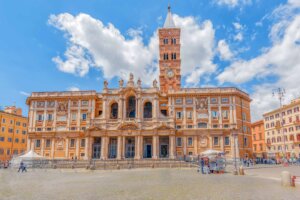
202	166
21	166
24	168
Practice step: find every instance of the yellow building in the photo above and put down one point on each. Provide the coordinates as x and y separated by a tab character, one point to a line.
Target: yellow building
283	139
163	121
13	133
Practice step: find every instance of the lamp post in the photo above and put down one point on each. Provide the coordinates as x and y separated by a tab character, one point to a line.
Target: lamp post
280	92
234	133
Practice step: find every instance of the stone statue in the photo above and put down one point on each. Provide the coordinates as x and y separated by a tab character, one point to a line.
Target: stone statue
155	83
105	83
139	82
121	83
131	77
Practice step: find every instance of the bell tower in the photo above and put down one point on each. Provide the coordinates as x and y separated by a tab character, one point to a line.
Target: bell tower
169	55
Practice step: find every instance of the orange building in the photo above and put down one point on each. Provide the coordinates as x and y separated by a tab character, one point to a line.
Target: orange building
13	132
258	139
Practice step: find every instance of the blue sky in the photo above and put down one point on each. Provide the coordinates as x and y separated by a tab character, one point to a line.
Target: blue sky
68	45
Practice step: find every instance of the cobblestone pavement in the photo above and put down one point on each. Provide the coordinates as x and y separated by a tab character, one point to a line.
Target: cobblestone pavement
138	184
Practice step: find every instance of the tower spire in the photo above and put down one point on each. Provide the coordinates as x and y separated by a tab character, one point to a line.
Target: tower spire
169	23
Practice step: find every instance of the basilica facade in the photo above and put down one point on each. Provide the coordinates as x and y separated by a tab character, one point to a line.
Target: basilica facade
132	122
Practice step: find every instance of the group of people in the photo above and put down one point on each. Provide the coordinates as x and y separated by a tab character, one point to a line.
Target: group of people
208	166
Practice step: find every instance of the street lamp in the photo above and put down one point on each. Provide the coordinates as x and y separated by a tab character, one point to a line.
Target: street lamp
280	92
234	133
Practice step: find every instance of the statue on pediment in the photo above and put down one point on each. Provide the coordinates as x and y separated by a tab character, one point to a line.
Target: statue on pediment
121	83
105	84
139	82
155	83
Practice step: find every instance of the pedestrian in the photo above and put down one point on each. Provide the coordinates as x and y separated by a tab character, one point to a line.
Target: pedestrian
24	168
202	165
21	166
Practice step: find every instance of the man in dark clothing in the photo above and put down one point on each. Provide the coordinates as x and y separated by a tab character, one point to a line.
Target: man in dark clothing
202	165
24	168
21	166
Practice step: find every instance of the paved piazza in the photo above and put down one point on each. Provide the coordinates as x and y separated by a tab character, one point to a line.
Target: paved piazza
143	184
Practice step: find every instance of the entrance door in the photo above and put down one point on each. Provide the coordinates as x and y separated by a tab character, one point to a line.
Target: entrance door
148	151
96	151
113	148
164	151
130	148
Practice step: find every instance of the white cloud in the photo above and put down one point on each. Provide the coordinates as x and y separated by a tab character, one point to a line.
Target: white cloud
233	3
281	60
224	51
238	37
73	89
93	44
25	93
237	26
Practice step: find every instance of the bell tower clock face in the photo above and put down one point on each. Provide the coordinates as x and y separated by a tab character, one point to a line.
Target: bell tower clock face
170	73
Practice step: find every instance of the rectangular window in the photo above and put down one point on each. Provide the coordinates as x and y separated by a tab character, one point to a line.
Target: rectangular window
213	100
24	132
189	101
40	117
8	152
16	140
178	101
178	115
3	129
173	41
83	117
37	143
49	129
24	125
179	141
173	56
1	139
226	126
216	141
165	40
190	126
225	100
50	104
48	143
3	120
215	126
166	57
18	123
74	116
72	143
202	125
84	103
23	141
50	117
244	116
178	127
190	141
189	114
227	141
225	114
82	143
214	114
10	130
245	142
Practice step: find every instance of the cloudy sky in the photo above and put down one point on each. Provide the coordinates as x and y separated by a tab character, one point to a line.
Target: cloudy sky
75	45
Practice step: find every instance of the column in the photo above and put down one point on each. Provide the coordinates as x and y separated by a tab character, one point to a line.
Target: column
77	148
42	146
172	147
220	113
123	146
209	113
86	148
120	106
184	145
154	146
32	145
119	149
210	141
222	143
137	147
28	144
67	148
52	147
104	148
195	145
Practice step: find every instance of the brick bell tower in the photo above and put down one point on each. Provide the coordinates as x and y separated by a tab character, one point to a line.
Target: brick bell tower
169	55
